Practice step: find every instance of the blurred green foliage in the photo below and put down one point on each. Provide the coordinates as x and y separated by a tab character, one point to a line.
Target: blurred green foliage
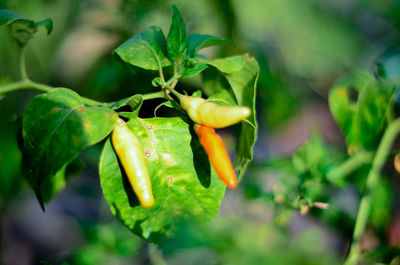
302	48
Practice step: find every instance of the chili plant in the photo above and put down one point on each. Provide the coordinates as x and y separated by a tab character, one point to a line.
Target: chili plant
59	124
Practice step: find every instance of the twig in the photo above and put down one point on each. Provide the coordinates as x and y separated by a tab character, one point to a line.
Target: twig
372	180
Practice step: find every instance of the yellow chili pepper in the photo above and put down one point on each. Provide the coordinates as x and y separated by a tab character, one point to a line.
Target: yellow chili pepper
208	113
130	152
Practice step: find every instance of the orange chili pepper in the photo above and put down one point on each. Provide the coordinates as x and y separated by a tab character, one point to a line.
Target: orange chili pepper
217	154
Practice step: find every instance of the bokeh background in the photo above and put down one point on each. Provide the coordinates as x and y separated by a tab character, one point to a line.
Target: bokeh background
302	47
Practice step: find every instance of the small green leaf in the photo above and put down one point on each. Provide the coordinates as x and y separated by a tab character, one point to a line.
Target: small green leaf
197	93
147	50
307	156
184	184
57	126
191	71
157	82
177	43
135	102
227	65
197	42
23	28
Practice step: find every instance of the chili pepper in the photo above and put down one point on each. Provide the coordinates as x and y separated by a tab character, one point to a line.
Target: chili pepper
130	153
396	162
208	113
217	154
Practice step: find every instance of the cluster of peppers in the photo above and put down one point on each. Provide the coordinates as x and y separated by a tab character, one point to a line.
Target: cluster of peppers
207	116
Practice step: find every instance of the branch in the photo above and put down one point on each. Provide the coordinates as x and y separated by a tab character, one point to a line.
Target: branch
27	84
22	64
373	178
338	174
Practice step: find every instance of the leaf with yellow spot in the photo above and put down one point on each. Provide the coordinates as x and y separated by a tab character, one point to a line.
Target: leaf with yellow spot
57	126
184	184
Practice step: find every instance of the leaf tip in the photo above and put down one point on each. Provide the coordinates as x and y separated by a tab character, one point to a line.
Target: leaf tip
40	199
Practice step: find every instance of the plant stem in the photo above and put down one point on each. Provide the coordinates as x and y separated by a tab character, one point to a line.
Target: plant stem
161	73
24	85
22	64
372	179
172	86
338	174
176	93
27	84
153	95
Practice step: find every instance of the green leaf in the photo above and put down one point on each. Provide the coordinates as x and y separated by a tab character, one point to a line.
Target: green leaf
197	93
215	86
135	102
307	156
244	85
7	17
184	184
23	28
147	50
57	126
177	43
238	88
191	71
197	42
227	65
52	186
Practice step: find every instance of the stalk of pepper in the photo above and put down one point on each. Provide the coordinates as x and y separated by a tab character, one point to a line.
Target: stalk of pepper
217	154
130	152
208	113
